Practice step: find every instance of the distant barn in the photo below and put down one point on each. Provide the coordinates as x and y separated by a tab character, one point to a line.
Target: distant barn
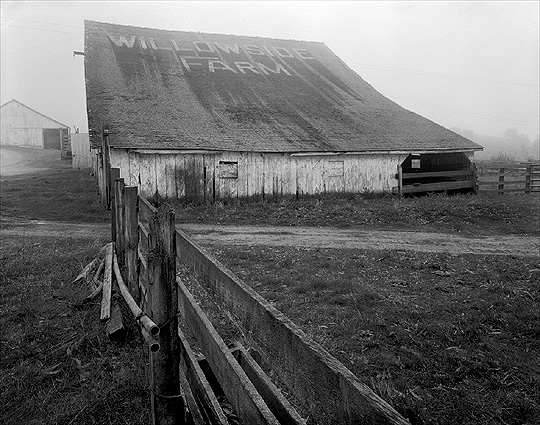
24	126
210	116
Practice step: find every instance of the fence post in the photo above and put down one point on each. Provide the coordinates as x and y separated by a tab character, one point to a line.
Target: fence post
113	175
167	403
120	219
106	158
400	179
131	233
501	181
528	179
473	178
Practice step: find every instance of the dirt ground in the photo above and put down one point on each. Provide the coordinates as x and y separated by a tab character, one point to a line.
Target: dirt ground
305	237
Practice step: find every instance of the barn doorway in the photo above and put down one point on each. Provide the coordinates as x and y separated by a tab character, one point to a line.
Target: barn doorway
52	138
435	172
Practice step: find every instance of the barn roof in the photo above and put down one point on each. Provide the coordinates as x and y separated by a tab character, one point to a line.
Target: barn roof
33	110
160	89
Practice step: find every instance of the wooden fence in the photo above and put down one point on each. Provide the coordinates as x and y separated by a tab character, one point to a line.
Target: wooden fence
149	247
503	178
427	181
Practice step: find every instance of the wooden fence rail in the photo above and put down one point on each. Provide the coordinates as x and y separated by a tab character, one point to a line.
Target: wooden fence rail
423	181
511	178
150	246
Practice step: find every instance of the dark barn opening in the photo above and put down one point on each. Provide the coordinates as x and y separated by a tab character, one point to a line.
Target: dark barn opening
434	172
52	138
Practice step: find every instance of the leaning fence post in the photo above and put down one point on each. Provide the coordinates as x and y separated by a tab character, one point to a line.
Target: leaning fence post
167	403
131	232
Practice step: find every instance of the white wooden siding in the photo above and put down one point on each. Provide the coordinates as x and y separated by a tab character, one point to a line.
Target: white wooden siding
21	126
197	176
80	151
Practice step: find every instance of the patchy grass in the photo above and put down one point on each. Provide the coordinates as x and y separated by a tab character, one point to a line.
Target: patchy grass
469	214
58	366
446	339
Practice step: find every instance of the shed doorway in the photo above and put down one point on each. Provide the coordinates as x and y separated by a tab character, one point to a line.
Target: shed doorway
437	172
52	138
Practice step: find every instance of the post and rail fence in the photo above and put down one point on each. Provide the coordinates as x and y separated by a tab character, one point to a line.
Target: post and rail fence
148	246
485	177
504	178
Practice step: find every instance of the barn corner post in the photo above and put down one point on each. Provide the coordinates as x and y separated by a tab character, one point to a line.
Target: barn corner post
166	400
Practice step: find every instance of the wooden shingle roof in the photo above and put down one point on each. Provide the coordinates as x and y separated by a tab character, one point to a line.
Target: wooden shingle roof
160	89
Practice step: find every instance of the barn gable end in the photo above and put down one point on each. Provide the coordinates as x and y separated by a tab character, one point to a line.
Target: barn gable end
24	126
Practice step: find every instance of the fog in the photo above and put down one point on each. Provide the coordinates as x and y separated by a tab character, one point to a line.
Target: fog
469	66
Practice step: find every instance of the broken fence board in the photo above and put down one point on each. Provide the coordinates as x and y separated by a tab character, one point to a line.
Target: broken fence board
246	401
115	324
86	270
326	388
107	283
200	387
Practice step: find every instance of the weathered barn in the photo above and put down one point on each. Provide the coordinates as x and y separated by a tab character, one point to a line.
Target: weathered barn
24	126
211	116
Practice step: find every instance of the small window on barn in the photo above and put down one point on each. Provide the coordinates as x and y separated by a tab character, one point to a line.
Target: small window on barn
415	163
228	169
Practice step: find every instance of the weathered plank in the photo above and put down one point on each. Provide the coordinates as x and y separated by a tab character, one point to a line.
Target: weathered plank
437	174
274	399
198	383
131	237
328	390
246	401
115	324
429	187
107	283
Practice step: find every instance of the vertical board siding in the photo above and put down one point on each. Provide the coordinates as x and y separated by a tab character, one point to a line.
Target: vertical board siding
180	176
199	176
80	151
132	173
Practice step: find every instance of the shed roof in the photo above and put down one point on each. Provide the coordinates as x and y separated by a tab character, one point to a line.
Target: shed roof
160	89
32	110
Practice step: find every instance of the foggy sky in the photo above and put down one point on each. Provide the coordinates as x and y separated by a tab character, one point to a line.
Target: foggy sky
472	65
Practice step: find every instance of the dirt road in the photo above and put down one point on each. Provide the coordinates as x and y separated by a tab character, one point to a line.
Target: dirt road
305	237
313	237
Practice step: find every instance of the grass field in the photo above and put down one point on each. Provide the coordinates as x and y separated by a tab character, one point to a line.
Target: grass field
446	339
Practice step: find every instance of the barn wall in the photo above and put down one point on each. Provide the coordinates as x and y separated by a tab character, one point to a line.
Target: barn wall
225	175
20	126
81	157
